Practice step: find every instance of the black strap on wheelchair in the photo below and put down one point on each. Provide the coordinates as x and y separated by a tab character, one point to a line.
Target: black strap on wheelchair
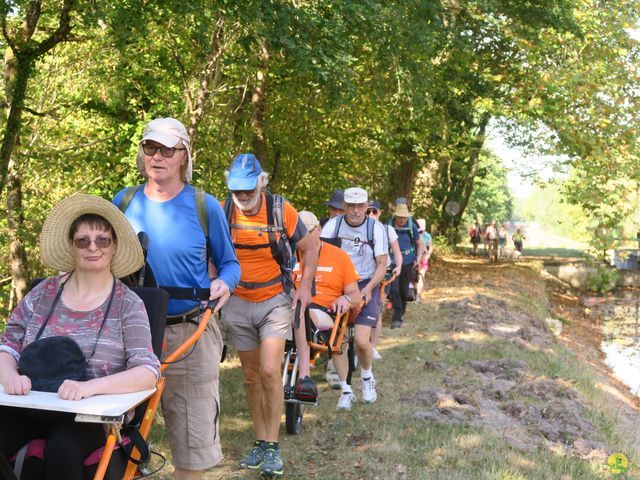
5	469
138	443
187	293
351	355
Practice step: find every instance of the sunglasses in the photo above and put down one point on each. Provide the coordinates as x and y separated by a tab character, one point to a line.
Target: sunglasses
372	211
85	242
166	152
240	192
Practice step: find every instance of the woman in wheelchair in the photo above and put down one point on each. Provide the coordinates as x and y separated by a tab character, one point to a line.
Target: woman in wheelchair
110	349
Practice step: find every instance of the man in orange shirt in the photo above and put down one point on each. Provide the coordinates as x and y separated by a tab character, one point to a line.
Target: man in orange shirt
337	291
260	313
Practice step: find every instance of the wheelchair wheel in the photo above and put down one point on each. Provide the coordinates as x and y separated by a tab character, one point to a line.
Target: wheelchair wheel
293	418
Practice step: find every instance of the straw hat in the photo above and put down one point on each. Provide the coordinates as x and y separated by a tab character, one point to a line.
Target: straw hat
54	239
402	211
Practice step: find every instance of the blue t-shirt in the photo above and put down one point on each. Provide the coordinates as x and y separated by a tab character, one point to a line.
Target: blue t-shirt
426	238
407	246
177	252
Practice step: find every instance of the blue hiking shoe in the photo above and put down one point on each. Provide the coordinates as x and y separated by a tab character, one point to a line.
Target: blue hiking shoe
272	465
255	458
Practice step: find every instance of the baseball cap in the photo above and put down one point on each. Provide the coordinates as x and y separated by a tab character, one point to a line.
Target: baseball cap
168	132
309	219
244	172
355	195
375	204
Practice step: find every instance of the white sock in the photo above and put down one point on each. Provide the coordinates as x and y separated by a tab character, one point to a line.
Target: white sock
366	373
346	388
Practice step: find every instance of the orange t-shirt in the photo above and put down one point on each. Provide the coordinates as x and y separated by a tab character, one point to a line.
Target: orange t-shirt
258	265
335	271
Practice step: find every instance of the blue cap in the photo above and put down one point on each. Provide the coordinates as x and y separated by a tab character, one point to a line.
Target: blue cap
375	204
244	172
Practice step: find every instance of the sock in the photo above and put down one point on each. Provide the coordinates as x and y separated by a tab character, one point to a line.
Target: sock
271	445
366	374
346	388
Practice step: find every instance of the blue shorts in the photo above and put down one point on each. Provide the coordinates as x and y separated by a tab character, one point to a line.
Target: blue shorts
369	313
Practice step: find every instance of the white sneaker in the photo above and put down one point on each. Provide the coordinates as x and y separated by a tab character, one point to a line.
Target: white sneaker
376	355
333	380
369	394
346	401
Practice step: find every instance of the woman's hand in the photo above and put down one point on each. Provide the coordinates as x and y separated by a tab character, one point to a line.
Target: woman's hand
72	390
16	384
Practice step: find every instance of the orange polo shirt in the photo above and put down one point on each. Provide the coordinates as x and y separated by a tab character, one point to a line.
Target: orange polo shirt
258	265
335	271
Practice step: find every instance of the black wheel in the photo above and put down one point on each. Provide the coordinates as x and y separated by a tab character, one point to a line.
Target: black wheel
293	418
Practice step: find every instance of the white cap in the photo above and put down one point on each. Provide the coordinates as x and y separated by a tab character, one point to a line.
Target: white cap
309	219
168	132
355	195
422	224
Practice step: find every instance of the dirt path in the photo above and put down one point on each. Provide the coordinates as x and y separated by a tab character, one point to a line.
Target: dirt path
474	386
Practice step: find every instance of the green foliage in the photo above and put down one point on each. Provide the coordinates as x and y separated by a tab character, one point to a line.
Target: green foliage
491	198
604	280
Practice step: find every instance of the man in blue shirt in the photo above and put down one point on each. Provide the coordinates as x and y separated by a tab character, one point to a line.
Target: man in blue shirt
182	244
411	247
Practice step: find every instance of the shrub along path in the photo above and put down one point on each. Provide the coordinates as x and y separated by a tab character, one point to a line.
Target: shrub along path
474	386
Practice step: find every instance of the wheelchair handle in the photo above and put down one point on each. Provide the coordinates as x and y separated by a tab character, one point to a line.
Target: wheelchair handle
296	315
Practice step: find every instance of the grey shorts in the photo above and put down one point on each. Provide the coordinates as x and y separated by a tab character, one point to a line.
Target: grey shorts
191	400
369	313
248	323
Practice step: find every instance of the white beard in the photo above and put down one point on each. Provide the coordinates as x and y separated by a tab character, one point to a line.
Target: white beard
249	204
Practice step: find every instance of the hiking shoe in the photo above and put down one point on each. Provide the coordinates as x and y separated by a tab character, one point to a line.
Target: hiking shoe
369	394
306	389
346	401
255	457
376	355
272	465
396	324
333	379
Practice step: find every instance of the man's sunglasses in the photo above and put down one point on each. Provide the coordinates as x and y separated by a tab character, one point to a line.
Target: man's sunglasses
372	211
240	192
166	152
85	242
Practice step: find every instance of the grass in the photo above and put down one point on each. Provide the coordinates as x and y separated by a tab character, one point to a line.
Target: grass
387	441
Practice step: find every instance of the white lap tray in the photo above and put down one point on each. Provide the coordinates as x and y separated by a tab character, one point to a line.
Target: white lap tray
96	409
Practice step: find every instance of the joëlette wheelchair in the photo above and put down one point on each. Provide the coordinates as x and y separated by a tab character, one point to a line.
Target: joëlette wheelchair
327	342
155	301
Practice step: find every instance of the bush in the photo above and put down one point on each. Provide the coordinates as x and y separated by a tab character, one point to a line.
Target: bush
604	280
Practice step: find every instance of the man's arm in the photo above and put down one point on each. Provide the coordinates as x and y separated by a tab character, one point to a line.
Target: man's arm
309	247
350	299
397	257
376	279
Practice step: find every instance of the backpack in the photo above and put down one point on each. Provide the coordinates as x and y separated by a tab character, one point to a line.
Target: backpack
178	293
408	228
281	249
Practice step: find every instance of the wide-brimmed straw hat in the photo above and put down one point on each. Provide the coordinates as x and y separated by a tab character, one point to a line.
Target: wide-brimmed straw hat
54	238
402	211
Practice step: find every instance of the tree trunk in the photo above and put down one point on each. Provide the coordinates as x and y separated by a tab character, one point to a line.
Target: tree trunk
209	79
259	103
15	223
403	176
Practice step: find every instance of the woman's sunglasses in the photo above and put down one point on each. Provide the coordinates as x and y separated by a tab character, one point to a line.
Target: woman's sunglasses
85	242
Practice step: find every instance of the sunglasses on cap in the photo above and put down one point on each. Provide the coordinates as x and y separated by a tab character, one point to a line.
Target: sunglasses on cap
166	152
85	242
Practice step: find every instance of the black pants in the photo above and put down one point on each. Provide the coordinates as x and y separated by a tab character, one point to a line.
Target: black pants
400	291
68	443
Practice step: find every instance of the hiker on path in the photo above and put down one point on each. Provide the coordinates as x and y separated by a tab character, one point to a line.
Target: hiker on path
427	241
475	232
363	238
502	240
491	236
411	248
335	205
337	291
259	315
172	212
518	239
375	211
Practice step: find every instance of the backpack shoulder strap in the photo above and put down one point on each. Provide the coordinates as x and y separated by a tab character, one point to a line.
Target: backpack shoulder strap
371	223
274	210
336	230
228	209
203	217
128	196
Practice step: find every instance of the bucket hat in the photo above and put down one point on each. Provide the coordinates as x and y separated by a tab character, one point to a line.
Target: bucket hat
402	211
54	238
